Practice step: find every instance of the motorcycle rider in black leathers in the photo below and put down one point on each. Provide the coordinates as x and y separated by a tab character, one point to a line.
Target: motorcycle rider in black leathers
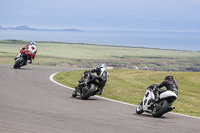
102	72
169	83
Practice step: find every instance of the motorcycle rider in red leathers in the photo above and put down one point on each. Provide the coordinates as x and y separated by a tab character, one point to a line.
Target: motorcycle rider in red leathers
31	49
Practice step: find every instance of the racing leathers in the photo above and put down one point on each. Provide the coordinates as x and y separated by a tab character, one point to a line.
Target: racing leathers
102	73
31	49
171	85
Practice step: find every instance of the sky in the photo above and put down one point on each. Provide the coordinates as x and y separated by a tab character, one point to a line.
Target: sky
181	15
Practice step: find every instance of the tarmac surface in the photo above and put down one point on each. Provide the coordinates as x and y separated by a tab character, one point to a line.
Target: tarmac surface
31	103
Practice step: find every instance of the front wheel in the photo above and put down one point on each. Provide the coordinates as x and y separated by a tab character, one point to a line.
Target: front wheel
74	93
139	109
161	108
87	93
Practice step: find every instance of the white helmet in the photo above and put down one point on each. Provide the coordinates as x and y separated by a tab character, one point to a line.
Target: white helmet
102	65
33	43
104	71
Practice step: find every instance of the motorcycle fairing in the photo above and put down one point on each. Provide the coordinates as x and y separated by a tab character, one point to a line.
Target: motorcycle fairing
167	94
147	99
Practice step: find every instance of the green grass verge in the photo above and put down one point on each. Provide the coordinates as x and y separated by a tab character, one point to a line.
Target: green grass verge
84	56
130	86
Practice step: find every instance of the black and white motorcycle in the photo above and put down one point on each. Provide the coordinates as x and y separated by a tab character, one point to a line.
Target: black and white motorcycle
157	107
88	85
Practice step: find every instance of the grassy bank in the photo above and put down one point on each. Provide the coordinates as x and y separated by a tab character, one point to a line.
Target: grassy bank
86	51
129	86
83	55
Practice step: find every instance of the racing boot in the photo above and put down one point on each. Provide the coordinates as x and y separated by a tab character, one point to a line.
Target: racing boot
98	91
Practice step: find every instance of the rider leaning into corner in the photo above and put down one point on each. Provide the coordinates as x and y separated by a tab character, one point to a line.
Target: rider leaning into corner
168	82
31	49
101	72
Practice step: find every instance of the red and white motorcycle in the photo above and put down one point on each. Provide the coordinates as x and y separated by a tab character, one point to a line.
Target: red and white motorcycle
159	107
25	56
22	59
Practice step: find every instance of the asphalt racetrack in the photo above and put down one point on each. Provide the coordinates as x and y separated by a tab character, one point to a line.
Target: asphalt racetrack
31	103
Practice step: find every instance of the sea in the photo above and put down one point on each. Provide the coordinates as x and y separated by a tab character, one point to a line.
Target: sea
176	40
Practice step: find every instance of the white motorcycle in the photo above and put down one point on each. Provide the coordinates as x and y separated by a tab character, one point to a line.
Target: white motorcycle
157	107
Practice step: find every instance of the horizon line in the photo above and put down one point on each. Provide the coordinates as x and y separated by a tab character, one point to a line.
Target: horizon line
114	29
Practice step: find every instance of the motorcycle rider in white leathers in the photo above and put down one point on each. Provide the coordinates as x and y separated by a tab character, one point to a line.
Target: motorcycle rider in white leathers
31	49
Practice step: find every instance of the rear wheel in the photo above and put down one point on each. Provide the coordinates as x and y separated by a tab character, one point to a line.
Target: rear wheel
139	109
161	108
19	63
89	92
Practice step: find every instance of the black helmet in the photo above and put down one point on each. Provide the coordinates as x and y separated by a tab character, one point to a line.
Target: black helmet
169	77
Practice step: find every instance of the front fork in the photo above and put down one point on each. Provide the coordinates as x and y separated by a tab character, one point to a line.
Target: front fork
79	88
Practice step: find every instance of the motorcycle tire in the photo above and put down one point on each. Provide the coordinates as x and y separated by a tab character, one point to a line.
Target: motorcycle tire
139	109
161	109
89	93
19	63
74	93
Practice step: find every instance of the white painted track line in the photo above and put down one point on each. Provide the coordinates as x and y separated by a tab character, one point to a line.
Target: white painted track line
51	78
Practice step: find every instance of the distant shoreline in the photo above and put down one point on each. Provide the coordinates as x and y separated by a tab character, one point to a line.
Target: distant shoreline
24	27
95	45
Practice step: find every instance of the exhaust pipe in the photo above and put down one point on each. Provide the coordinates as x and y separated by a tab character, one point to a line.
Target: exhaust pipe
171	108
